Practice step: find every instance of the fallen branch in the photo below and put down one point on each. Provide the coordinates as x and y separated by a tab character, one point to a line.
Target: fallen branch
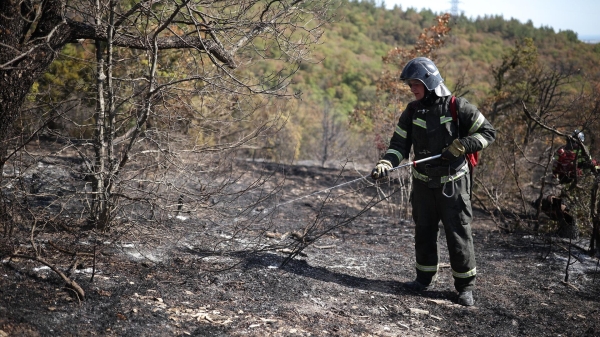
570	285
291	251
325	247
70	283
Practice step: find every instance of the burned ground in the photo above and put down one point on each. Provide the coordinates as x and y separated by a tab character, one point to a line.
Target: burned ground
349	282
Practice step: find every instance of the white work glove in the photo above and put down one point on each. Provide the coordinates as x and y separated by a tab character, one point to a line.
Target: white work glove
381	169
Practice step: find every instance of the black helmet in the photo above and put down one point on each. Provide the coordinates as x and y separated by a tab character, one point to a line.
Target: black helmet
578	134
424	70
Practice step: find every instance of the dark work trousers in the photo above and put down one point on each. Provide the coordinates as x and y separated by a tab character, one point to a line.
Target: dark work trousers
429	206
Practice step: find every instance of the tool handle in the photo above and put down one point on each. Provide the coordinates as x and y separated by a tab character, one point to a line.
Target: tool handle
415	162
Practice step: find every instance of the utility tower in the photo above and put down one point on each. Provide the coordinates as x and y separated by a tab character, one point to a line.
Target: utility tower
454	8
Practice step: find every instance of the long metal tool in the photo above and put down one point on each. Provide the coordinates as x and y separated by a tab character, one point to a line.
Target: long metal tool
415	162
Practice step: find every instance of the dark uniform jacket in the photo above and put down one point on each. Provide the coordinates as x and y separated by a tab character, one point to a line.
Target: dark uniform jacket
429	129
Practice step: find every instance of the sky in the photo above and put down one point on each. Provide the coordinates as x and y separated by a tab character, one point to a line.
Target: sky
580	16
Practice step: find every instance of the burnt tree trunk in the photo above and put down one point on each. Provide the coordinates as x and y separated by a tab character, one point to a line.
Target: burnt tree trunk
30	35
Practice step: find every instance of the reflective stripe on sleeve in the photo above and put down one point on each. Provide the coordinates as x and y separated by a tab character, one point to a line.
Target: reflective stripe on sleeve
477	124
400	132
397	153
479	137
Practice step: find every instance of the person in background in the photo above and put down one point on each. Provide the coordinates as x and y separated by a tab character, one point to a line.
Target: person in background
572	159
441	187
571	162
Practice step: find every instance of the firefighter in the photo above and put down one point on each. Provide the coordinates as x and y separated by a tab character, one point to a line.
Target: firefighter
572	160
441	187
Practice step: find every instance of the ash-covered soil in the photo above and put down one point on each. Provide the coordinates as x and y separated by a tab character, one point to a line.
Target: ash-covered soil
167	281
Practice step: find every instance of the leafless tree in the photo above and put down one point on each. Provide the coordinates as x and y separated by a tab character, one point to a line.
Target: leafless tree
333	138
178	92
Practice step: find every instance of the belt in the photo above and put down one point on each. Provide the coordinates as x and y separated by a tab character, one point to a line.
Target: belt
444	179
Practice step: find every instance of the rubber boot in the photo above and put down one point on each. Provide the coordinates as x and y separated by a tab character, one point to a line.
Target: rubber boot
466	298
418	286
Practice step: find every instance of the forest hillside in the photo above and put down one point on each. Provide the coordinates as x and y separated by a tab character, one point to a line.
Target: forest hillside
347	65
